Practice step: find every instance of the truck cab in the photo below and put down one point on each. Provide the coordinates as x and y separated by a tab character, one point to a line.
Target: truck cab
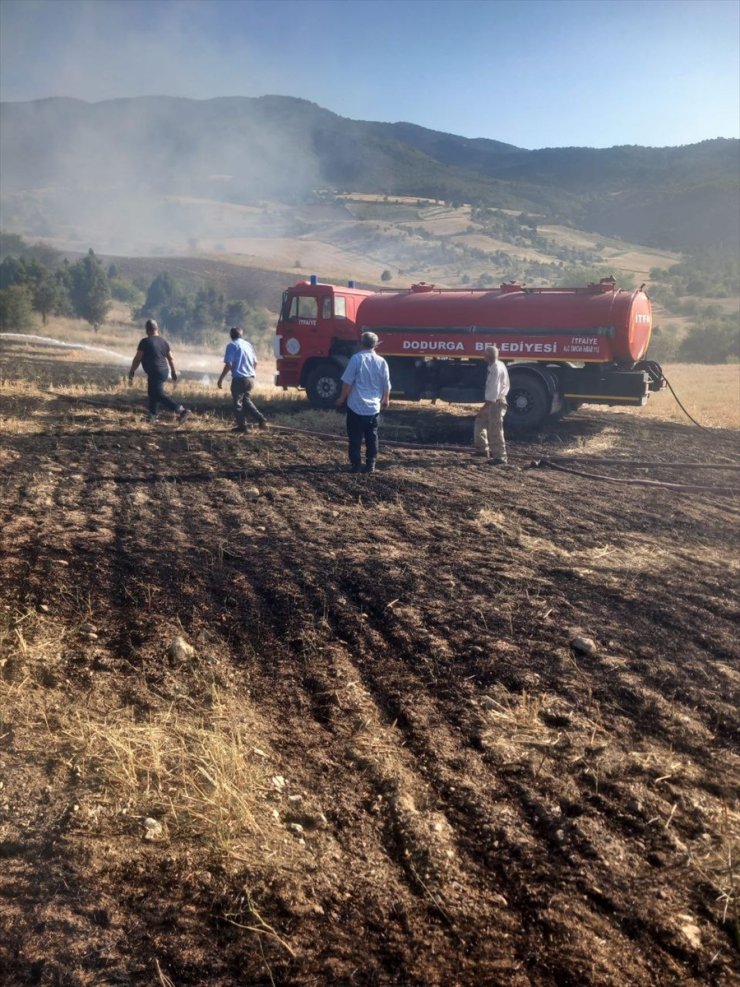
316	335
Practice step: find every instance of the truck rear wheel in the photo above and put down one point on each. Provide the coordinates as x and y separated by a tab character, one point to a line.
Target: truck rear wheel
323	385
528	403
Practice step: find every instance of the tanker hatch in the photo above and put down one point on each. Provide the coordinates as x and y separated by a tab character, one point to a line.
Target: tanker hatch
606	284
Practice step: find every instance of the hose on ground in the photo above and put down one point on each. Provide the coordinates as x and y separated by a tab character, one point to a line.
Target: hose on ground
680	405
635	482
638	463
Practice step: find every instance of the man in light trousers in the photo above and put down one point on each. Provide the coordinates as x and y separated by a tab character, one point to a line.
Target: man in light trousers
366	387
489	422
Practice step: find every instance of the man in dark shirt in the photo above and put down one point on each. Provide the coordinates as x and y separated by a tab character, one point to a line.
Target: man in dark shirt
155	356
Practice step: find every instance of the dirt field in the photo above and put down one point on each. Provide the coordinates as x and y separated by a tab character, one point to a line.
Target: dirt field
266	723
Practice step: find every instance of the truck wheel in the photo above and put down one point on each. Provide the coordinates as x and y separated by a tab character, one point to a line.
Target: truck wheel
528	403
323	385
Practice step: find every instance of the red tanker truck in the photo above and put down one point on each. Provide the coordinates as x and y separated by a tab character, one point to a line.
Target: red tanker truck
563	346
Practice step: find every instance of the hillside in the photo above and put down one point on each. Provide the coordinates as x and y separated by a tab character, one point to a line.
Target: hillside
255	252
119	171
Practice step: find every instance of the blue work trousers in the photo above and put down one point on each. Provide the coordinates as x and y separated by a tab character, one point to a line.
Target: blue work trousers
361	427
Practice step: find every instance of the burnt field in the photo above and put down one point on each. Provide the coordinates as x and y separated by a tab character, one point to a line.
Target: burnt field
264	722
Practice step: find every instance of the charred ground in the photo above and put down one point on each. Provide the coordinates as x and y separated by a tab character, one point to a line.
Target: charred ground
384	762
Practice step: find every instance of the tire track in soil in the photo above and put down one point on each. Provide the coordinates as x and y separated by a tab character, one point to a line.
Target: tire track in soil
623	923
406	843
516	862
384	701
289	592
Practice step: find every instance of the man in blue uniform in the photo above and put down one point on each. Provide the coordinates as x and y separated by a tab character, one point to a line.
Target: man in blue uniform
155	356
366	387
241	361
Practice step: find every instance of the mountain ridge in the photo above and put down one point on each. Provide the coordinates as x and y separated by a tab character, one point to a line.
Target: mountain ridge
284	148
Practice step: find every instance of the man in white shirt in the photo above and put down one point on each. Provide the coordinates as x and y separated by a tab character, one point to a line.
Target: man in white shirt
366	387
489	422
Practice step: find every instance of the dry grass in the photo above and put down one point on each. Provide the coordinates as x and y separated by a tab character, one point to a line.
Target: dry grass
118	332
198	779
710	393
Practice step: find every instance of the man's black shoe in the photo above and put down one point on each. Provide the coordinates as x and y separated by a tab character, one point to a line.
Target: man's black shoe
370	468
241	429
355	469
496	462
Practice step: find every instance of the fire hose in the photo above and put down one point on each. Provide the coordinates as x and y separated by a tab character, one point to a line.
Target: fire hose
680	405
546	463
640	482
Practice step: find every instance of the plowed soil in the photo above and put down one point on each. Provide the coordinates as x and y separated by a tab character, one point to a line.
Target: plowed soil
385	762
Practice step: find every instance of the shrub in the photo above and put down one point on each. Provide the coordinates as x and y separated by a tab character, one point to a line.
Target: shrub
16	308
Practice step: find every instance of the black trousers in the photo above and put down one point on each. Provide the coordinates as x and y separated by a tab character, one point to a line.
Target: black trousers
241	401
361	427
155	391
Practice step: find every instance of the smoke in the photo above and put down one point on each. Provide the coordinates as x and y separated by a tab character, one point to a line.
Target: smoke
141	175
153	174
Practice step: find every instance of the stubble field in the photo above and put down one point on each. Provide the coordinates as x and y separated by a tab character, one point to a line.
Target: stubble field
264	722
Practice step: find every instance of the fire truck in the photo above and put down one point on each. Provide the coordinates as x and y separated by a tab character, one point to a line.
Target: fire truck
563	346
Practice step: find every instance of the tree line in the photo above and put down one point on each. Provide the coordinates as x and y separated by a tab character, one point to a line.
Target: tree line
691	289
36	280
39	280
200	314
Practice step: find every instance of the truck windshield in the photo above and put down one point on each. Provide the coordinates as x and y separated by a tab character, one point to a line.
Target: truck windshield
299	307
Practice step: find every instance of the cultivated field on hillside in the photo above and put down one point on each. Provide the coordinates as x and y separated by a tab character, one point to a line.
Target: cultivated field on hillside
263	722
359	236
363	235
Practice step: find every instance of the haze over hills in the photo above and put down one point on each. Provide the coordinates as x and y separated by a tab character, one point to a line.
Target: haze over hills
121	172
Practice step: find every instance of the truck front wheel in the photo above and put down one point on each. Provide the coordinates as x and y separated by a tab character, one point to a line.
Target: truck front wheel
323	385
528	403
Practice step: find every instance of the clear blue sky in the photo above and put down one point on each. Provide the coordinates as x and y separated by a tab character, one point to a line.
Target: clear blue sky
535	73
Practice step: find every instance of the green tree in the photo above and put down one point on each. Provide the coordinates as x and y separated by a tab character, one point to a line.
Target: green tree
208	309
714	343
64	277
124	291
236	313
162	293
44	254
175	318
90	293
49	296
11	245
16	313
386	275
21	270
663	345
